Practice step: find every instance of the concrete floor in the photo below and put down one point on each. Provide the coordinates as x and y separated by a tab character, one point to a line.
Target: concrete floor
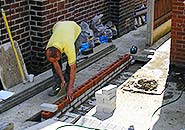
166	121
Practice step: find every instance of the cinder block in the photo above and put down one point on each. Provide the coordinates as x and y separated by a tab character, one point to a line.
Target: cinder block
109	89
106	102
108	95
108	106
99	109
49	107
99	100
98	93
113	99
102	99
108	110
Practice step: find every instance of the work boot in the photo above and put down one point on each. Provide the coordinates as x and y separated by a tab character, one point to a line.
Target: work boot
54	90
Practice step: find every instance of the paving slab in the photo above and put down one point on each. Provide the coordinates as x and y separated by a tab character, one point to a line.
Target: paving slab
10	74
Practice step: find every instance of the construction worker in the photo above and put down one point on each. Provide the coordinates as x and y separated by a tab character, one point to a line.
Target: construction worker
62	41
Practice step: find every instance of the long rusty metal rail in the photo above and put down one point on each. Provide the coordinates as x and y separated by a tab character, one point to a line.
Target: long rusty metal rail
88	88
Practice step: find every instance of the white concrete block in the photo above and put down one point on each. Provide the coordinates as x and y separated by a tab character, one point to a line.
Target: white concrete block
109	89
99	109
102	99
49	107
98	93
106	97
108	106
108	110
99	101
110	101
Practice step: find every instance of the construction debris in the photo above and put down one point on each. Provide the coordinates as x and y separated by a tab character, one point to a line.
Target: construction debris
147	85
143	84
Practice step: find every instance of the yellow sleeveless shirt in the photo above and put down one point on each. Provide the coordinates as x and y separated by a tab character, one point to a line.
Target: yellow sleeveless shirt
64	35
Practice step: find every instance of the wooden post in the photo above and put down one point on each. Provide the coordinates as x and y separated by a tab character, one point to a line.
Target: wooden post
150	21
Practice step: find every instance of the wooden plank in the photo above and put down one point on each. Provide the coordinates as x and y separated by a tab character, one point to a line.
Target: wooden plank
150	22
162	20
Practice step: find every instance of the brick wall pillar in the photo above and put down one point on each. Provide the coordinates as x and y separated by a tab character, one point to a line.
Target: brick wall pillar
43	15
178	33
122	14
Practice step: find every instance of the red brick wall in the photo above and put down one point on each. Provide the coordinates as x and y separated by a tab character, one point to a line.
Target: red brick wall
138	3
45	14
122	14
178	33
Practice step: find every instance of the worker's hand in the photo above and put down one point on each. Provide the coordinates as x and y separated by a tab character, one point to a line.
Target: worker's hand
70	94
63	84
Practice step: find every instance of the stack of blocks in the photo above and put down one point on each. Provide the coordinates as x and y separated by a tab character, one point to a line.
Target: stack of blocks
106	100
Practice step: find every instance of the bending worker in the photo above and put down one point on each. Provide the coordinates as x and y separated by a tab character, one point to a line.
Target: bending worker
62	41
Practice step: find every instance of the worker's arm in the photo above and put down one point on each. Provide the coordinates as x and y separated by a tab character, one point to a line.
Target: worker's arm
71	81
58	70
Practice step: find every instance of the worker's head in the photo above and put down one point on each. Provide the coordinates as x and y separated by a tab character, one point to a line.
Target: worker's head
52	54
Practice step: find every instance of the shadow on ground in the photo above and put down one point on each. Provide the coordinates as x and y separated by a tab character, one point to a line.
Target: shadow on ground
172	110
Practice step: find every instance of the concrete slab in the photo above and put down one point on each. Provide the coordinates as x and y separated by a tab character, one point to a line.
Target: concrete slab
156	71
10	74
